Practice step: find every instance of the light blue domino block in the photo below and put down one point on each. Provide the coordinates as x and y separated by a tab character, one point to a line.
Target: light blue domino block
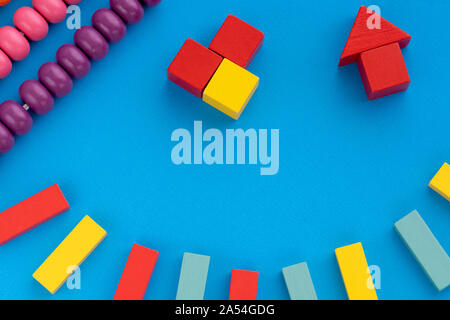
194	271
425	248
299	282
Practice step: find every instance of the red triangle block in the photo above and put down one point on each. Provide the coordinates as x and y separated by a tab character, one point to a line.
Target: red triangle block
362	38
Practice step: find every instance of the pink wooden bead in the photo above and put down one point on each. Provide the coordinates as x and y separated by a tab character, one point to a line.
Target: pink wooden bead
53	11
13	43
5	65
31	23
72	1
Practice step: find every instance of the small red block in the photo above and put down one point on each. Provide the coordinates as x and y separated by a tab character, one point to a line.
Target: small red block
237	41
362	38
193	67
244	285
32	212
137	273
383	71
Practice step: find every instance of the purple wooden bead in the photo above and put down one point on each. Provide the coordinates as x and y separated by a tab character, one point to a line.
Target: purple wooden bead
109	25
6	139
55	79
73	60
151	3
36	96
131	11
15	117
91	42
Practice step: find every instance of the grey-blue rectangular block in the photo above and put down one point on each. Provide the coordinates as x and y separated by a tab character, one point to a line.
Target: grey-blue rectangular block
194	271
425	248
299	283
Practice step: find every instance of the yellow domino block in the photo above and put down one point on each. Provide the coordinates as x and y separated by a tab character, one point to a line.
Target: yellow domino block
355	272
230	89
76	247
441	181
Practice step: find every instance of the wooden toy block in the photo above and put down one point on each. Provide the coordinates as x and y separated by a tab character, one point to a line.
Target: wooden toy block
355	272
425	248
230	89
193	275
237	41
383	71
441	181
193	67
31	212
244	285
298	282
362	38
70	253
137	273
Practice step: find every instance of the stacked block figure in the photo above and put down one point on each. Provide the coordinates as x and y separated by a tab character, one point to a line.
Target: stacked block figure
218	74
374	44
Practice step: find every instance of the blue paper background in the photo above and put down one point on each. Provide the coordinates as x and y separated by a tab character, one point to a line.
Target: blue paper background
349	167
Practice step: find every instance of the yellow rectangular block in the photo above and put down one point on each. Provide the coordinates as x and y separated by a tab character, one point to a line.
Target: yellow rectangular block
74	249
441	181
355	272
230	89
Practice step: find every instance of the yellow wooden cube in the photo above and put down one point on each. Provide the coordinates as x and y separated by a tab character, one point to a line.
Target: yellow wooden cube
441	181
230	89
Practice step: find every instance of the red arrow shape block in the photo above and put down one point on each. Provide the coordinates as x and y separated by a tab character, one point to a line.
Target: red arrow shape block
31	212
137	273
244	285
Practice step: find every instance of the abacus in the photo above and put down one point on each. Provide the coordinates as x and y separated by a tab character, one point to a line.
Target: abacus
73	61
30	24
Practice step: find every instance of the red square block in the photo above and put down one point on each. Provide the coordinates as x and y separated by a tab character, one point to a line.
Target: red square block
383	71
237	41
244	285
137	273
193	67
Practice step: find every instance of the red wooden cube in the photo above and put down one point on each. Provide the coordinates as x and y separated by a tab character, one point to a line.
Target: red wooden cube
383	71
193	67
237	41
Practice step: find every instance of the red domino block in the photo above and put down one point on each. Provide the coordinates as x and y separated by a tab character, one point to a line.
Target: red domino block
362	38
31	212
244	285
237	41
193	67
383	71
137	273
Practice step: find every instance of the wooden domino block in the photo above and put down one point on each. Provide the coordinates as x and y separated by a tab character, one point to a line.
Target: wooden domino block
230	89
298	282
362	38
70	253
383	71
193	67
237	41
244	285
137	273
31	212
355	272
193	275
441	181
425	248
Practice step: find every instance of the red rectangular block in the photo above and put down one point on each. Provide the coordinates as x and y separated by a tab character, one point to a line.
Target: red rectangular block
137	273
383	71
237	41
244	285
31	212
193	67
